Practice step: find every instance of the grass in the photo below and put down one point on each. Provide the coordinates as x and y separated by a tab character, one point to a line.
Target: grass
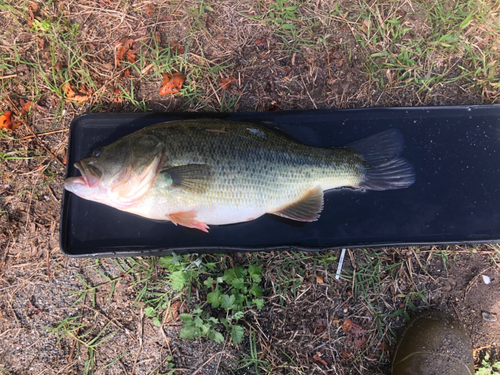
371	278
73	328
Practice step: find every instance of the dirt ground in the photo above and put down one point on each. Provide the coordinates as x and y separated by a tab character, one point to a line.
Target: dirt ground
333	57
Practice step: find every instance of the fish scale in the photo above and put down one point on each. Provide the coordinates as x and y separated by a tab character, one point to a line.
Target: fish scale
210	172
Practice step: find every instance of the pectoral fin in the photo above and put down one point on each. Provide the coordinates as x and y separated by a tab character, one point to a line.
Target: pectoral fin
187	219
305	209
192	177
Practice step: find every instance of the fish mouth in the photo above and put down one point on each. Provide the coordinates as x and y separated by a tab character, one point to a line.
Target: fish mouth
72	183
91	175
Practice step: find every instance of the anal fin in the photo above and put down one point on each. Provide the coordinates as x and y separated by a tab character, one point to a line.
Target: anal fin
306	209
188	219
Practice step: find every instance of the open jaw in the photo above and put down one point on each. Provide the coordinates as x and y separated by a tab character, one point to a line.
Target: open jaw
90	174
73	182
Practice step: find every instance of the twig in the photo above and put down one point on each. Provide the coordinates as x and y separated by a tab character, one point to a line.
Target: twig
474	351
456	312
43	146
9	76
206	362
41	134
141	318
48	264
6	255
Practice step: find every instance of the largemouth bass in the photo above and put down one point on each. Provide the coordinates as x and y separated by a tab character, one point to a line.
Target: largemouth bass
198	173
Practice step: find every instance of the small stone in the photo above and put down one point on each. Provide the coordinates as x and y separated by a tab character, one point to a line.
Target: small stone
486	279
488	317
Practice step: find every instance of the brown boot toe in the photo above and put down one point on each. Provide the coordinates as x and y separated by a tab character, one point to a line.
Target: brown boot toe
433	343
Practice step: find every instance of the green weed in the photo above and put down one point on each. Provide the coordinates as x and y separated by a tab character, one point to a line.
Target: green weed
234	292
229	292
487	368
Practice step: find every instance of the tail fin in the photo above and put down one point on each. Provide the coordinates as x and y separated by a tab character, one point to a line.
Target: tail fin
386	169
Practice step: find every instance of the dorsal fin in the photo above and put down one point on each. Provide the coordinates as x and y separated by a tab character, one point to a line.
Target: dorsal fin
305	209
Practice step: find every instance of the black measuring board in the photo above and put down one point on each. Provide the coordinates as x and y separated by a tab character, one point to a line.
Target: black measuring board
455	199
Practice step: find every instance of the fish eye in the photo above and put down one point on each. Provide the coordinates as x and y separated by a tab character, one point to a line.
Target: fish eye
96	152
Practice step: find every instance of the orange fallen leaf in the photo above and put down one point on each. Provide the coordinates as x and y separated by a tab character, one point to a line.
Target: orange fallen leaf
317	358
174	46
117	96
150	9
260	41
172	83
27	106
7	122
225	83
347	325
71	95
123	51
319	279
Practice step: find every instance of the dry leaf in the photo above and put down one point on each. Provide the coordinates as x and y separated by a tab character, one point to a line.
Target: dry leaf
150	9
6	120
124	51
71	95
41	42
347	325
32	9
225	83
172	313
260	41
317	358
27	107
344	354
172	83
366	25
319	279
354	333
320	325
58	66
385	347
117	97
174	46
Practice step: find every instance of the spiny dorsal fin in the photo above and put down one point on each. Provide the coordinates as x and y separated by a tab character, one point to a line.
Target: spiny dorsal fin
306	209
191	177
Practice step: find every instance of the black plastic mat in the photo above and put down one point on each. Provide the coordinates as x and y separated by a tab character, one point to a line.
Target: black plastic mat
455	199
